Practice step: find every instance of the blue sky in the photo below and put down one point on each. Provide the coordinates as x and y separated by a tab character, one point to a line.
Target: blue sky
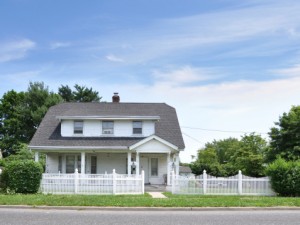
225	65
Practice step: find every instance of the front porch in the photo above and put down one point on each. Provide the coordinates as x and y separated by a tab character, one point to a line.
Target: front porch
157	167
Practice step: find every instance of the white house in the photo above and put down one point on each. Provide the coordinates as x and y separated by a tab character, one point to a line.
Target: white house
98	137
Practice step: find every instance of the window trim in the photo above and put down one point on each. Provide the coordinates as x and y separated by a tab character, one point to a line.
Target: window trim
140	128
78	130
106	129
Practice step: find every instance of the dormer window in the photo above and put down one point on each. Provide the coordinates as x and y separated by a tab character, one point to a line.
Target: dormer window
137	127
78	127
107	127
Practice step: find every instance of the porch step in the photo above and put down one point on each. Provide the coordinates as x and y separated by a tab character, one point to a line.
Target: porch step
157	195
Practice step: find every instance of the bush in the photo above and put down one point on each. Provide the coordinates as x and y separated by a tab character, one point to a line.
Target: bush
285	177
22	176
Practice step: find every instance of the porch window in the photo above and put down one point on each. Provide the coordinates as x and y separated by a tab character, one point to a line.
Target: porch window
154	167
73	162
107	127
70	163
137	127
93	164
78	127
60	163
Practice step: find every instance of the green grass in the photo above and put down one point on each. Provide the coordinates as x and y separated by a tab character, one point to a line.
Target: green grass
147	201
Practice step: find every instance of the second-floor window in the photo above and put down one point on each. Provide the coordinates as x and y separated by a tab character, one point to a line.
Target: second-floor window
137	127
107	127
78	127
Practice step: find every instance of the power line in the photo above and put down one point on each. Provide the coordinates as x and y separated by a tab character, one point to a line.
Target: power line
195	139
224	131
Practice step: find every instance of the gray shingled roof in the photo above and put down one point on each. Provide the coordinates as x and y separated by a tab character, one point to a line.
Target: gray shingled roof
48	133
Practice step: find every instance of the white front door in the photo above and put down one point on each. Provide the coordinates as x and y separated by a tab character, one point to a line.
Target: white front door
144	165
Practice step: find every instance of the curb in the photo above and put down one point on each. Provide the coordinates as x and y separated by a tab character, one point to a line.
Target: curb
95	208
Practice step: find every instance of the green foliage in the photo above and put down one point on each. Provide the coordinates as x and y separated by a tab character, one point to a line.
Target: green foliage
226	157
12	123
21	114
81	94
285	137
22	176
285	177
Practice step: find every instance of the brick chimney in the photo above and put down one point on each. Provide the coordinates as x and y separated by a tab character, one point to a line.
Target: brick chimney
116	97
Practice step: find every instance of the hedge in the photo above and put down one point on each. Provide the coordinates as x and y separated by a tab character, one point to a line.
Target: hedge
285	177
22	176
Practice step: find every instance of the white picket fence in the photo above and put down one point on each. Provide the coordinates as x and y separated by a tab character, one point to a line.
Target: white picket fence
210	185
97	184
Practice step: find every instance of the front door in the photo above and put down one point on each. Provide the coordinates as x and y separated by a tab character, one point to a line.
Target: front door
144	165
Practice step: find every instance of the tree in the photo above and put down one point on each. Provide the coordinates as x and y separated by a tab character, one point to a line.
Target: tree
215	156
12	123
66	93
249	158
285	137
226	157
21	114
81	94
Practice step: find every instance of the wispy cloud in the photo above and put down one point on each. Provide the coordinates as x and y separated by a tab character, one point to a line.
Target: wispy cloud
14	50
266	24
56	45
293	71
183	76
114	58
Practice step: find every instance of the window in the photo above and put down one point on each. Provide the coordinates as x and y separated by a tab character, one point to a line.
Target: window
60	163
73	162
93	164
107	127
70	163
154	167
137	127
78	127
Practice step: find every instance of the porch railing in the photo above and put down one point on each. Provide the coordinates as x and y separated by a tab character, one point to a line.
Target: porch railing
210	185
77	183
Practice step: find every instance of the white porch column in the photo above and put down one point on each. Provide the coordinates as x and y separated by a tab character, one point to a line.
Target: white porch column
128	163
36	156
177	164
137	168
168	168
82	162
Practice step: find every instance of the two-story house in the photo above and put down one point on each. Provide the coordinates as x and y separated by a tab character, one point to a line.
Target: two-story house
96	138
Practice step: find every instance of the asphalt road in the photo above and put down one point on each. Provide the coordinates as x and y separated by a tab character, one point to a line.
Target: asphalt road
88	217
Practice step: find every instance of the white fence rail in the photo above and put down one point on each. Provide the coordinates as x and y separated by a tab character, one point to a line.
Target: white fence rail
209	185
92	183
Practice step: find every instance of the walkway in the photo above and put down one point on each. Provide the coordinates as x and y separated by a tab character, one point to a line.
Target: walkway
157	195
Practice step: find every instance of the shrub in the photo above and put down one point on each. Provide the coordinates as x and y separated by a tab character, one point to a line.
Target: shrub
285	177
22	176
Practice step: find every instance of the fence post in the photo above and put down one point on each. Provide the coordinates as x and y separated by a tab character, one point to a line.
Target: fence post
76	181
114	182
143	182
173	182
204	182
240	183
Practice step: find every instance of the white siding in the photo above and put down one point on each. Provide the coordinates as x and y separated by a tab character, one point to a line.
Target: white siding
93	128
123	128
154	146
148	128
52	163
67	128
106	162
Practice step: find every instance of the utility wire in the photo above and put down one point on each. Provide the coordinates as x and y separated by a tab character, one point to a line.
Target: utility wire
195	139
224	131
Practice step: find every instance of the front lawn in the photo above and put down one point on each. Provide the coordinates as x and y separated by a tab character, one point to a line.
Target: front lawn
147	201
